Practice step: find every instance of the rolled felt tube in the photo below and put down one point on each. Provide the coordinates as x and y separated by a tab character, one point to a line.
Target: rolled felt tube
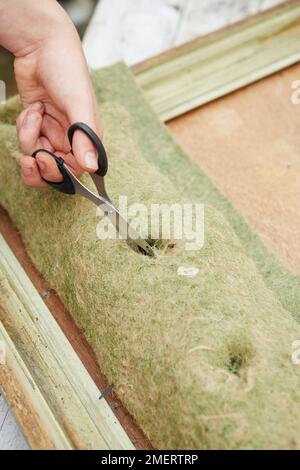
200	362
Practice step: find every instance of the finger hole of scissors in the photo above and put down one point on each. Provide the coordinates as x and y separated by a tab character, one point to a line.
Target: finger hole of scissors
48	167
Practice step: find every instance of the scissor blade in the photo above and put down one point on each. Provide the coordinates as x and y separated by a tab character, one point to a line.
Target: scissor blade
125	229
103	201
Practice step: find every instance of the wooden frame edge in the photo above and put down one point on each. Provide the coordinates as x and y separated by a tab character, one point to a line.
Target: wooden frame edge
38	424
55	389
179	80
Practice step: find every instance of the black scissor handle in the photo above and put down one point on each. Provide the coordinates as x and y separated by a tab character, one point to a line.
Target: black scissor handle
67	185
102	157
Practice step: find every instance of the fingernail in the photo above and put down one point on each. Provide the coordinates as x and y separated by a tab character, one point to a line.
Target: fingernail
37	106
91	161
30	121
26	170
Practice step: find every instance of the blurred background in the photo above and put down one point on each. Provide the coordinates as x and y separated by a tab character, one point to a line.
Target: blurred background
80	12
134	30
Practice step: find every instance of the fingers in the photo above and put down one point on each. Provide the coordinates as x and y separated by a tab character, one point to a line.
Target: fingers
45	144
29	127
33	170
85	111
48	168
85	152
30	173
38	129
38	106
55	133
71	161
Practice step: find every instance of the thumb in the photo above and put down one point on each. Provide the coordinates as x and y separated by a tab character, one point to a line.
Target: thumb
83	149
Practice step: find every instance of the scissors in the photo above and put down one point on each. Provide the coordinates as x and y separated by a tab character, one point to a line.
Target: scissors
71	185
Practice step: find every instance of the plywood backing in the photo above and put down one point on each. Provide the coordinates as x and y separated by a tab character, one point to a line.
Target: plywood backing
249	144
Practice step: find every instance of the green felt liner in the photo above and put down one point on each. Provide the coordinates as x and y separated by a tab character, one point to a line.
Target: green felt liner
200	362
191	180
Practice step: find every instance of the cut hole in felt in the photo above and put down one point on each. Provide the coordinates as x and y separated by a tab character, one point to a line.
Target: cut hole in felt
240	353
172	347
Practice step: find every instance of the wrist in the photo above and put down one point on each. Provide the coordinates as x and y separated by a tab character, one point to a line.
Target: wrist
25	25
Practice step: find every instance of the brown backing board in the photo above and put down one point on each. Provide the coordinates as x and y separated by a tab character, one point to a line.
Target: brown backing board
72	332
249	144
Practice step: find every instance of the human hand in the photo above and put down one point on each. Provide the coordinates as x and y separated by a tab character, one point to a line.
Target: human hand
56	91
